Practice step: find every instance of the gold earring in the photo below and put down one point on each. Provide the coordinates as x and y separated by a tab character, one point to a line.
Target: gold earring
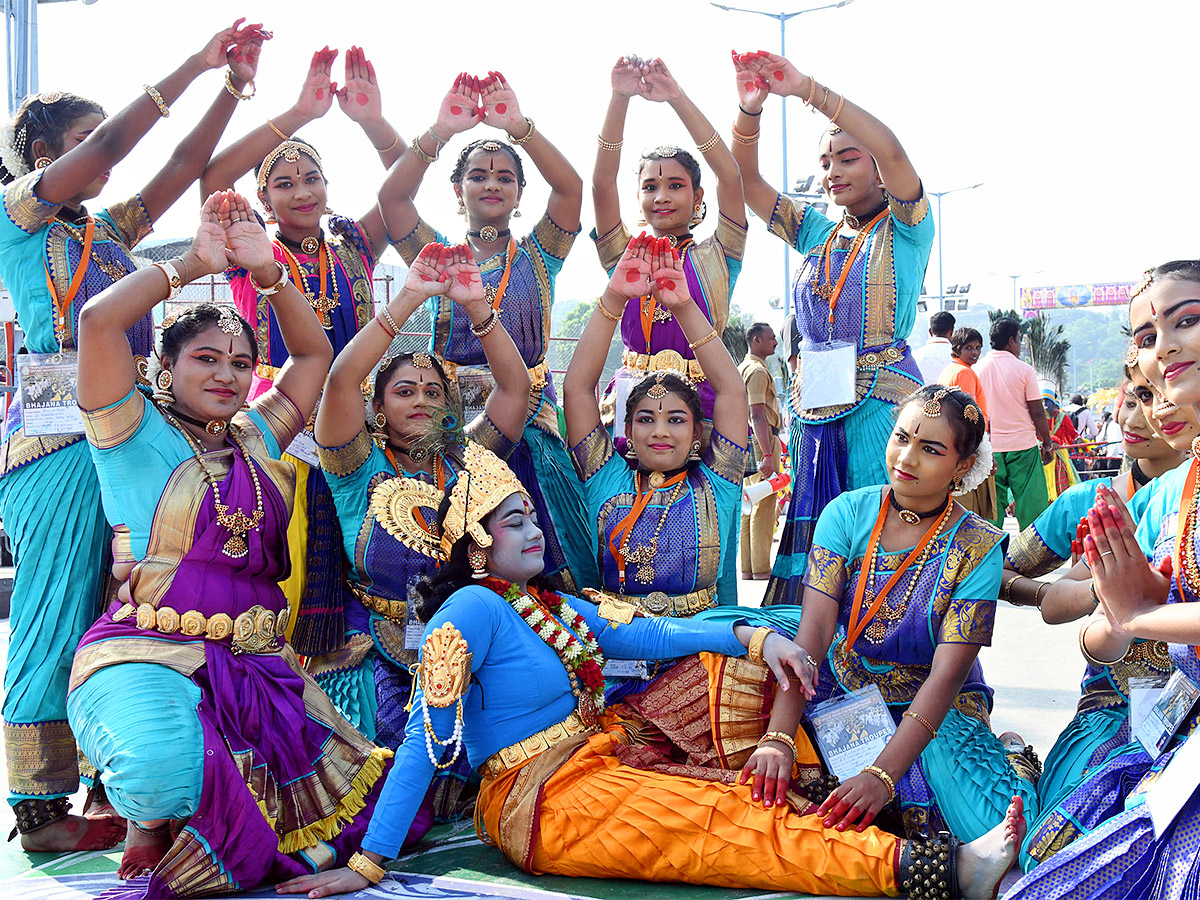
694	456
462	207
516	213
162	381
379	435
477	560
270	219
956	486
41	162
697	214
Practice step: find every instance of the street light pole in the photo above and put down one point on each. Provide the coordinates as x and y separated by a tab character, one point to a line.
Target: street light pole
783	17
939	195
21	32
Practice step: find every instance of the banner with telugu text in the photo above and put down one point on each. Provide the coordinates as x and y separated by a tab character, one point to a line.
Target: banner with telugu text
1074	296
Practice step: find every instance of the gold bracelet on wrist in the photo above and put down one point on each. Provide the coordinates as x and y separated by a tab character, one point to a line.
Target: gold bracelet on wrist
837	112
1094	660
782	737
710	143
392	146
754	651
745	138
371	871
885	778
279	134
610	146
163	109
693	345
917	717
604	311
528	135
1037	597
812	90
268	290
415	145
236	93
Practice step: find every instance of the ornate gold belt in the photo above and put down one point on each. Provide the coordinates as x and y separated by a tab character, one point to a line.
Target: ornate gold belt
659	603
663	359
517	753
396	610
878	358
257	630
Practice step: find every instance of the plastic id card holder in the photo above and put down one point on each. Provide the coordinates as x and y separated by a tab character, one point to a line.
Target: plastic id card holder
827	374
46	382
851	730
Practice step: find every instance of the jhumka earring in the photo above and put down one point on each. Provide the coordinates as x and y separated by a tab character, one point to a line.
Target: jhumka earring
462	207
516	213
270	219
477	560
956	487
630	453
694	456
697	214
162	381
41	162
379	435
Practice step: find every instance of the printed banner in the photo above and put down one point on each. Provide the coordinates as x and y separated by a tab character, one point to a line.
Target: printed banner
1073	296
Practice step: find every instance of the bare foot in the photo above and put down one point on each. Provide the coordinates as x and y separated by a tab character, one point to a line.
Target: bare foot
74	833
143	851
983	863
99	809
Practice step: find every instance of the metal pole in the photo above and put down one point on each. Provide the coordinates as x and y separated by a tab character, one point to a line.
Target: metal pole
787	251
940	229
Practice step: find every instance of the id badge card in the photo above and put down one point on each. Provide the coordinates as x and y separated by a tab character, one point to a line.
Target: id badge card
46	382
827	374
1167	713
304	447
852	730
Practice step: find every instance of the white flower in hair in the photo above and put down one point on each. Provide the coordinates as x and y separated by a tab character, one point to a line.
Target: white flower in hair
979	472
13	160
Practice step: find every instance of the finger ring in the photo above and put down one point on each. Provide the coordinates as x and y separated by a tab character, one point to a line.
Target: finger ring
808	659
1107	553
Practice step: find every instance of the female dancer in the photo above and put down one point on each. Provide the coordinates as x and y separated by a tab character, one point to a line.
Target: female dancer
557	795
334	272
368	678
54	256
671	201
860	285
1127	854
901	593
518	275
660	525
185	693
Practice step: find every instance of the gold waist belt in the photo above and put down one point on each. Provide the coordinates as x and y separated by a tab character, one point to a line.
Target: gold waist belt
521	751
663	359
878	358
257	630
658	603
396	610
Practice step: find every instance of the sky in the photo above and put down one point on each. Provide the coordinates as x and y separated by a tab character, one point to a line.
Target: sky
1076	115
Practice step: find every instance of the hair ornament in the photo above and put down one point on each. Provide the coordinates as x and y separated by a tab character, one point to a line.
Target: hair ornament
289	151
666	151
12	149
49	98
1147	280
230	322
657	390
168	321
971	413
982	469
422	360
834	129
932	408
490	146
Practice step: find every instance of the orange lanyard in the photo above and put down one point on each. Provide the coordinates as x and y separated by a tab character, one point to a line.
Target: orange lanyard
624	528
649	305
510	254
62	308
823	290
858	622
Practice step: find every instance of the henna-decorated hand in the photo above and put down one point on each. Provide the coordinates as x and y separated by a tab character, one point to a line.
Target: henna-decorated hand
427	275
631	277
465	286
359	97
1126	584
217	51
668	281
246	240
316	95
460	110
856	800
500	107
752	88
769	771
782	77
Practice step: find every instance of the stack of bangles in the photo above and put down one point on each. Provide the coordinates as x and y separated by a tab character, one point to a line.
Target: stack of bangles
885	778
754	650
1006	591
387	322
486	325
781	737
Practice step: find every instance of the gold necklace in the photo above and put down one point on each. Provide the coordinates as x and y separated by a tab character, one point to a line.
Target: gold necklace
644	555
877	629
237	523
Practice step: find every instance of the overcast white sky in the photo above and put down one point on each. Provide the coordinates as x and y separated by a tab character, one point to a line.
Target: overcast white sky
1077	115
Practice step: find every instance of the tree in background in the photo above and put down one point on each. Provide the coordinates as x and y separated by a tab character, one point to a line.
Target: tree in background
1045	345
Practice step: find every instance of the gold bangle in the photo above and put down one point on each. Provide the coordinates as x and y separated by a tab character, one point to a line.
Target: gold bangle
754	651
745	138
924	721
782	737
415	145
812	90
163	109
837	112
390	147
1006	588
238	94
604	311
367	869
1037	596
610	146
710	143
692	345
281	135
268	290
387	317
885	778
528	135
1095	661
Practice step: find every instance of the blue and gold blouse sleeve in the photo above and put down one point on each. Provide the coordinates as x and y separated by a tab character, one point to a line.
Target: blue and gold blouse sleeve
1046	543
611	246
833	544
348	470
277	418
130	220
551	242
798	223
25	213
483	431
593	453
726	460
352	233
913	223
976	555
414	242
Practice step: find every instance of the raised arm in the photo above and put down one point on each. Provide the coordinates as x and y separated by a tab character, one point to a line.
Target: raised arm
752	92
240	47
500	110
106	371
670	288
316	96
629	280
899	176
459	112
309	351
112	140
626	80
660	85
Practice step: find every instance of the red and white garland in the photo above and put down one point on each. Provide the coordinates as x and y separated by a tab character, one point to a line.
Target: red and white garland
577	647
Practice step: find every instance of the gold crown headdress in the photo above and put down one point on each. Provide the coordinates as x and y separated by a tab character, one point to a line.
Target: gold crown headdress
290	151
485	482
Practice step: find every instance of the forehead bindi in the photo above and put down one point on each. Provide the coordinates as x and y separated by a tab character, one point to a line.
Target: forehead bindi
286	171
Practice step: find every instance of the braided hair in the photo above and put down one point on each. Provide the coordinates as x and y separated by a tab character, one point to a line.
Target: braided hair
46	117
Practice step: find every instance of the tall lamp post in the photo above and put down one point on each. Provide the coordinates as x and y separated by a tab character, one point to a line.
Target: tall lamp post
782	18
21	31
939	195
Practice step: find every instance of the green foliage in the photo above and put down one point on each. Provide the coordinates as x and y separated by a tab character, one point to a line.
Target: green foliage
1047	349
571	325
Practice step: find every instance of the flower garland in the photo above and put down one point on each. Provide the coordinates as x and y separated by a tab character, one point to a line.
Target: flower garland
577	647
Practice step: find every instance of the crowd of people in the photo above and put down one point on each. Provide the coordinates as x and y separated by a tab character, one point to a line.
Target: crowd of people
274	664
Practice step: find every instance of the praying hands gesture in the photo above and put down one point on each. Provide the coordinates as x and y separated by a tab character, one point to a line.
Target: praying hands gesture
1127	586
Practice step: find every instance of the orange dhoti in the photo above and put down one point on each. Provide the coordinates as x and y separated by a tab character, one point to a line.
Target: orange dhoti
576	810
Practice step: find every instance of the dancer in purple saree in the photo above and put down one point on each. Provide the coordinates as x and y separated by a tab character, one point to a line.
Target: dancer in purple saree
231	766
